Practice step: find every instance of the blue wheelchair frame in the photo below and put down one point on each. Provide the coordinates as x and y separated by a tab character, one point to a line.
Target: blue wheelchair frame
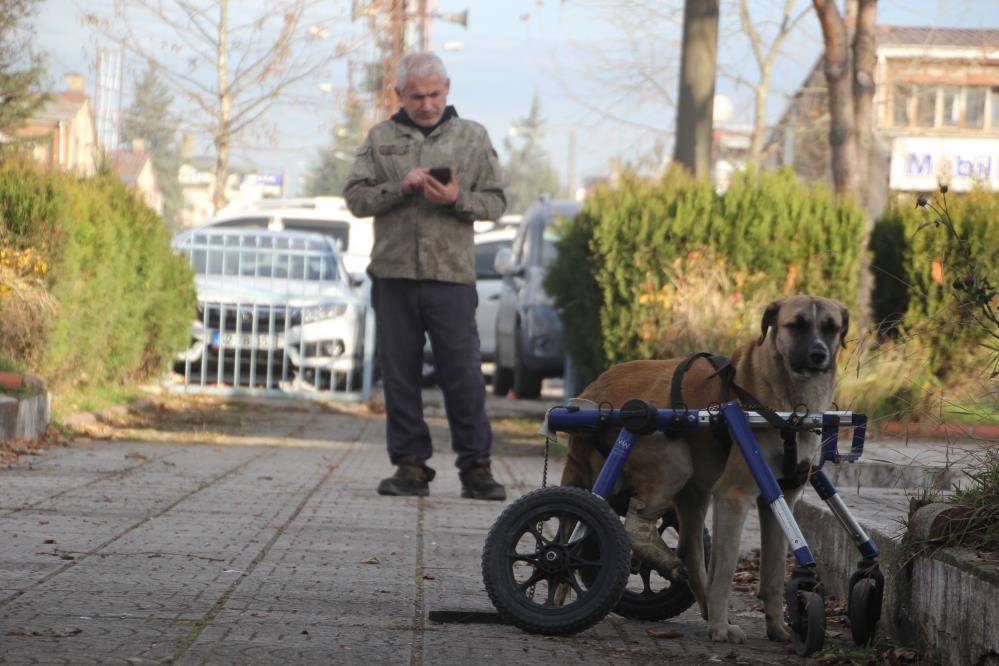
803	591
740	425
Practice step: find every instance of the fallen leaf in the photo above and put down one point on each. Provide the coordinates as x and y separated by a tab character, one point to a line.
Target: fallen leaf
371	560
135	455
66	632
265	478
428	577
49	541
664	633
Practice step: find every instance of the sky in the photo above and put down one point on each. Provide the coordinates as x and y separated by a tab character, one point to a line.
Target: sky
574	55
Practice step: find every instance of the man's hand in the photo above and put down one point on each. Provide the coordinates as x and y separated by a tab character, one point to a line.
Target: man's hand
414	180
435	192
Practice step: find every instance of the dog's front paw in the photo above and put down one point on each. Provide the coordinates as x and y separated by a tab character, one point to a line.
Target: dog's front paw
728	633
778	631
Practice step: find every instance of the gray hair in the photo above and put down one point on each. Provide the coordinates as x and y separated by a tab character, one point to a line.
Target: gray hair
418	64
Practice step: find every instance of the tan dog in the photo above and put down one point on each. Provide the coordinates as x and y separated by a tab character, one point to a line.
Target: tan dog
793	362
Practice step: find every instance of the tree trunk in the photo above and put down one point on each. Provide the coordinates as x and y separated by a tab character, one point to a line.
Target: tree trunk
698	61
223	135
864	60
842	143
759	116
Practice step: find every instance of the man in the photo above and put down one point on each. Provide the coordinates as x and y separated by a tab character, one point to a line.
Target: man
423	271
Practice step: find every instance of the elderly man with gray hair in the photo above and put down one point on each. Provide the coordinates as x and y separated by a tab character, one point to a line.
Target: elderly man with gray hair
426	175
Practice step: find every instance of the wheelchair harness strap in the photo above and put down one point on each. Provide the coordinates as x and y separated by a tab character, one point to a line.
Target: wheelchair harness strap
793	474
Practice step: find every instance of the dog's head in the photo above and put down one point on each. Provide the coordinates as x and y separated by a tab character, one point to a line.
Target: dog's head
807	331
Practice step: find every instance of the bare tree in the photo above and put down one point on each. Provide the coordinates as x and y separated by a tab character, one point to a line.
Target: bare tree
634	68
765	54
231	72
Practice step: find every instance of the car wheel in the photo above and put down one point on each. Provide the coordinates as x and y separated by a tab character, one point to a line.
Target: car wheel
502	380
526	384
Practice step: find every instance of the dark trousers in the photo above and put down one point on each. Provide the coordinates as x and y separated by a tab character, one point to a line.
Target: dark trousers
405	310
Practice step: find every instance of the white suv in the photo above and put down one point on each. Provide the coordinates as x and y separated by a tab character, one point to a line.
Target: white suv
329	216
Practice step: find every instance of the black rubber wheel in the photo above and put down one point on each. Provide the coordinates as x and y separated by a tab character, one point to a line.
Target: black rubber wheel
528	561
526	384
864	610
502	380
648	595
808	625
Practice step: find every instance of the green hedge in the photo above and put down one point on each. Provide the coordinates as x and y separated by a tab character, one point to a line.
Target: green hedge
124	300
916	263
619	259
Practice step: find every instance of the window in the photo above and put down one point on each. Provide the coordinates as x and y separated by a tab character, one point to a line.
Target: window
926	106
338	230
974	107
900	105
485	253
960	107
951	98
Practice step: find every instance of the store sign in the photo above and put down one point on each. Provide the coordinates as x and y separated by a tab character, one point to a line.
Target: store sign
921	164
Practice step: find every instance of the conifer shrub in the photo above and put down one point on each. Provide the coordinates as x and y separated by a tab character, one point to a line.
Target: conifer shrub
122	301
920	264
669	266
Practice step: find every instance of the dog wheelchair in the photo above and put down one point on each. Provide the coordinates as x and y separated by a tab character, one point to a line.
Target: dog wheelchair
557	560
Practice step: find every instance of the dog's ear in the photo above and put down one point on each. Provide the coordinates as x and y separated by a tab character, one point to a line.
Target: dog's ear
846	326
769	319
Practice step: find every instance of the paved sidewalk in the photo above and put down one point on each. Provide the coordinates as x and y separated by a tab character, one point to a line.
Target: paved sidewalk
273	547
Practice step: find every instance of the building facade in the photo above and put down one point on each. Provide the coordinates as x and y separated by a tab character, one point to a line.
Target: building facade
62	131
936	116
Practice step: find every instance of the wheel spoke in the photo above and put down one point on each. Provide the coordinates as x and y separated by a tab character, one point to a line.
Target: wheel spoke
535	531
566	525
523	557
570	578
579	562
533	580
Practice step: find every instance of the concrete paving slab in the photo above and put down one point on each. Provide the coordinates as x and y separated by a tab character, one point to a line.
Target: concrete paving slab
201	553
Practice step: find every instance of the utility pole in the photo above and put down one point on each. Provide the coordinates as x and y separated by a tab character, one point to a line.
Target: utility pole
423	23
388	21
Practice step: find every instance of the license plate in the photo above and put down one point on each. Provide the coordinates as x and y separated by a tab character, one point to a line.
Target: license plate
245	341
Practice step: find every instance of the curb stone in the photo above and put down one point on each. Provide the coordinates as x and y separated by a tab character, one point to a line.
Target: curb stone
26	417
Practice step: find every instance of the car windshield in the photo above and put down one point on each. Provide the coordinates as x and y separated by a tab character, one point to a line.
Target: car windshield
550	236
271	256
338	230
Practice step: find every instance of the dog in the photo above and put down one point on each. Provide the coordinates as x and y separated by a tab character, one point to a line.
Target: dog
793	362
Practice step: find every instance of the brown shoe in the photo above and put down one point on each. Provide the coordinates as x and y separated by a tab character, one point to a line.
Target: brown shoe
407	480
478	483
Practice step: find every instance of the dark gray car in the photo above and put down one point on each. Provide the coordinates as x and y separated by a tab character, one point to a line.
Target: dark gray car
528	329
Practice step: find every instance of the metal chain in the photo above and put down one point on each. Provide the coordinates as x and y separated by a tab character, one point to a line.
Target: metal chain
544	475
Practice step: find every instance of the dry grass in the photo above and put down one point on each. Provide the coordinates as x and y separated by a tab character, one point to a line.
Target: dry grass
26	307
703	306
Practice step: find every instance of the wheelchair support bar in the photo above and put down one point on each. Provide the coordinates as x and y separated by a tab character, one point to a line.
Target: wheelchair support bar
567	418
742	433
827	491
611	470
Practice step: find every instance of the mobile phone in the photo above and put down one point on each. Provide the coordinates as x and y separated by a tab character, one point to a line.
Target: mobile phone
441	174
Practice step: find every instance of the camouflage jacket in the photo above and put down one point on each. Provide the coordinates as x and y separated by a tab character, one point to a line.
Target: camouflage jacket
414	238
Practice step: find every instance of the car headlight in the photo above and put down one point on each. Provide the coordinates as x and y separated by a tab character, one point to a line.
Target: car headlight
322	312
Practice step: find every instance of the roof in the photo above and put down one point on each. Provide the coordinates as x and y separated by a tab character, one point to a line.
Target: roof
897	35
60	106
129	164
